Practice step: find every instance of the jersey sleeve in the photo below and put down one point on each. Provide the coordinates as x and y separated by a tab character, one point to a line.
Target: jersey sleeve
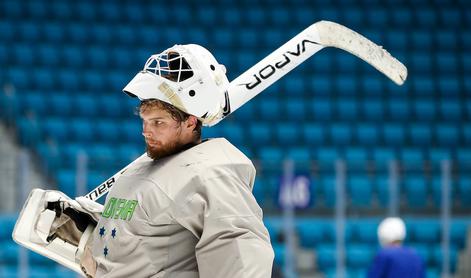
225	217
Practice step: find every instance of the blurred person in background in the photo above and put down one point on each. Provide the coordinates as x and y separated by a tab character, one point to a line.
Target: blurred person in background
395	260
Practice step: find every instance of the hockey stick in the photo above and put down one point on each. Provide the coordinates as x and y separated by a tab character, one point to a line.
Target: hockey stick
290	55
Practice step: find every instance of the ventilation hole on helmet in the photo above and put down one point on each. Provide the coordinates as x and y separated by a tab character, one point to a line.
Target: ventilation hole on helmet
212	67
192	93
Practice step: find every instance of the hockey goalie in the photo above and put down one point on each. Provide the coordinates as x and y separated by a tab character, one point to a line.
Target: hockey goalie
185	208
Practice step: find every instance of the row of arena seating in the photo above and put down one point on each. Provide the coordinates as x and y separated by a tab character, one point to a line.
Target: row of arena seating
413	138
226	12
314	234
344	108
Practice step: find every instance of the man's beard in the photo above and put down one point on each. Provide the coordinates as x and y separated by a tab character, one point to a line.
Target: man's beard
161	151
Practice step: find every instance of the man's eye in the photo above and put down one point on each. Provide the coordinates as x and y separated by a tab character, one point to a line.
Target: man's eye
157	122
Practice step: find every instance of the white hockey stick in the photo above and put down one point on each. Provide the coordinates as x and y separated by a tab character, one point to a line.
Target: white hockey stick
290	55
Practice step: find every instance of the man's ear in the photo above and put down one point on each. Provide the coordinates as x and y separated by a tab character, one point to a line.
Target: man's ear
191	121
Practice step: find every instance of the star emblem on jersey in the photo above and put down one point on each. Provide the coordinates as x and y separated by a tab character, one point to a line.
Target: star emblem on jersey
113	232
105	251
102	231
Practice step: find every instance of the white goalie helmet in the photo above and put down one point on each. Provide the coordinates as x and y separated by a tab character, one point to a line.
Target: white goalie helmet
187	77
391	229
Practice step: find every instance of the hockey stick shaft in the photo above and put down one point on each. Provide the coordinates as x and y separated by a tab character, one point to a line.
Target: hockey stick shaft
294	52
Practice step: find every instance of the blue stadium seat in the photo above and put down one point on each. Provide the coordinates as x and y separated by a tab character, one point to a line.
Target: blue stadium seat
68	80
357	157
423	250
425	230
271	155
295	109
359	255
446	134
128	152
327	156
28	31
33	103
438	257
44	79
7	31
287	134
73	56
101	156
19	78
437	155
446	39
110	106
347	64
270	109
393	134
382	157
54	32
412	158
49	55
98	57
273	37
66	181
466	62
450	110
279	250
9	253
321	109
320	86
55	128
346	85
347	109
93	81
313	134
325	256
376	16
464	189
311	232
81	130
458	232
301	156
259	190
59	104
108	131
466	132
420	134
359	191
275	228
423	86
422	63
372	109
327	189
426	16
437	192
449	86
447	63
131	132
364	231
294	86
7	222
247	112
366	134
340	134
399	109
416	191
371	86
61	10
260	134
233	132
85	105
425	109
28	131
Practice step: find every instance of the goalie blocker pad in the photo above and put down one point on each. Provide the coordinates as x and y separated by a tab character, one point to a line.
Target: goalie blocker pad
49	225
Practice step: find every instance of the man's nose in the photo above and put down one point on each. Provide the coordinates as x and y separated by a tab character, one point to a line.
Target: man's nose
146	131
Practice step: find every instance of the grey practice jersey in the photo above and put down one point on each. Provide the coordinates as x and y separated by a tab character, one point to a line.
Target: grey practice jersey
189	215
